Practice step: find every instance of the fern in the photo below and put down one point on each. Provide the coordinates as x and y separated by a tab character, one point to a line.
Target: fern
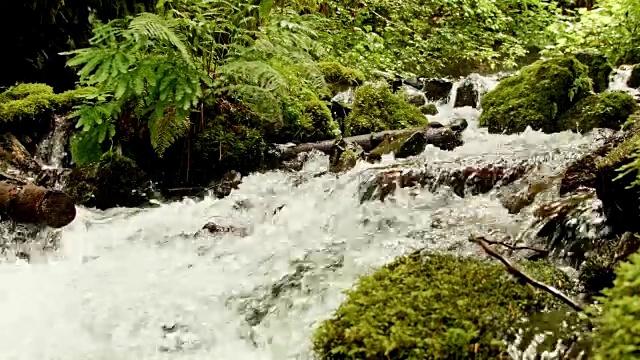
166	62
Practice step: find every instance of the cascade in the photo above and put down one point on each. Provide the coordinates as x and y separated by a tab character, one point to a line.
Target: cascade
150	284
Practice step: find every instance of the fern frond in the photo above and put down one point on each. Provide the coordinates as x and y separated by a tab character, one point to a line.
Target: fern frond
165	127
153	26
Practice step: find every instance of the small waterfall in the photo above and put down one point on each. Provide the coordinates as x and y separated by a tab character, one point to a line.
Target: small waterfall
51	151
619	78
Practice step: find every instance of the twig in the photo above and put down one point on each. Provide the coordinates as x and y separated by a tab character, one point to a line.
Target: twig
519	274
515	248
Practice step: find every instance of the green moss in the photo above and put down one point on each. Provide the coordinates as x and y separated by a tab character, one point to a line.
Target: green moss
617	335
334	73
376	108
429	109
634	79
36	102
21	91
114	180
610	109
433	307
619	155
536	97
599	68
316	113
307	120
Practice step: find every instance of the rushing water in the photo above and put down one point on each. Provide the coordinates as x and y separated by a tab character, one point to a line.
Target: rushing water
148	284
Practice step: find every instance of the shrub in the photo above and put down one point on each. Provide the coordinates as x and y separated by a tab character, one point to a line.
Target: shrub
536	97
617	335
610	109
376	108
433	307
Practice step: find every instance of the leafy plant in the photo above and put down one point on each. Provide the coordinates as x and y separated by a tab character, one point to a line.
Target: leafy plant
168	63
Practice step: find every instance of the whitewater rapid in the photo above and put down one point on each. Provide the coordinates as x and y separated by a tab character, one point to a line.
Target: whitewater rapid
147	284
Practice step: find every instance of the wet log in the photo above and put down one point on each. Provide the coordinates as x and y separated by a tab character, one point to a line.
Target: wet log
442	137
36	205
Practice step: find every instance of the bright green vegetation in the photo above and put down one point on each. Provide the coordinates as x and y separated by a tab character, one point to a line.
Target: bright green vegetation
617	335
334	73
36	102
536	97
433	307
610	109
376	108
599	68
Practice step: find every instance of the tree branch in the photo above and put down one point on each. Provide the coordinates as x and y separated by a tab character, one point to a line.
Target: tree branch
519	274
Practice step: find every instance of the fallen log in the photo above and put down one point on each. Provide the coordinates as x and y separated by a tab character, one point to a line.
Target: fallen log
36	205
442	137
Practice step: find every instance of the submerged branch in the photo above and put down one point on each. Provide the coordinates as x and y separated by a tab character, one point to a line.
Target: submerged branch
519	274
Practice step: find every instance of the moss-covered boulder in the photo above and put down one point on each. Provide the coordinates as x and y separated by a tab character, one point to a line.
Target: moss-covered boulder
620	200
337	74
617	334
609	109
429	109
115	180
537	97
634	78
376	108
306	121
599	68
433	307
344	156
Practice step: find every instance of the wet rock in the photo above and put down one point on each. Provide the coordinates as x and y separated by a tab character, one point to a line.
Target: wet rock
465	181
341	105
435	125
413	96
115	180
634	79
414	83
583	172
437	89
515	202
458	125
229	182
344	156
214	228
468	93
402	146
14	155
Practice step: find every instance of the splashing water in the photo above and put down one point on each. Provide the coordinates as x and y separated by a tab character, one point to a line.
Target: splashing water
51	150
149	284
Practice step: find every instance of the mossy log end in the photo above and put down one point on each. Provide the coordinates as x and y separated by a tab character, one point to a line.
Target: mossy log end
36	205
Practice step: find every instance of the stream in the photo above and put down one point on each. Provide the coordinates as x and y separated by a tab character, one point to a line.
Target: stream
148	284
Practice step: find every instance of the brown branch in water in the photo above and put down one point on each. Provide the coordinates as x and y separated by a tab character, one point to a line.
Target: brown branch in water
515	248
519	274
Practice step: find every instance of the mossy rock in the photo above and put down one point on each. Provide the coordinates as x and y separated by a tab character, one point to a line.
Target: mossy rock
537	97
617	334
376	108
434	307
306	121
620	201
115	180
402	145
335	73
634	78
429	109
609	109
344	156
599	68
